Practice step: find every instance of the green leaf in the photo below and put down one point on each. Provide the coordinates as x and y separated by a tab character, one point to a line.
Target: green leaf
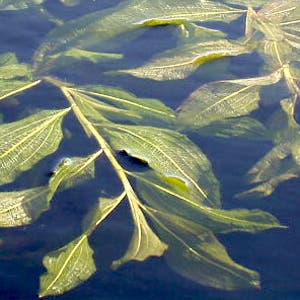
195	253
72	171
67	58
224	99
180	62
243	127
119	105
14	77
279	21
91	30
18	4
168	197
27	141
144	242
22	207
282	162
67	267
161	150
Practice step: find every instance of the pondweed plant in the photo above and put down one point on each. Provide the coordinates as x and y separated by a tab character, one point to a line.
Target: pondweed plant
175	202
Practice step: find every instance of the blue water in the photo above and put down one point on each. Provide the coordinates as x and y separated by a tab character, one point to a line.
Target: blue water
274	253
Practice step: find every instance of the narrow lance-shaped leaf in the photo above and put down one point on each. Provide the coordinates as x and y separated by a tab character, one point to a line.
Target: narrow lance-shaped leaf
22	207
282	162
92	29
195	253
181	62
23	143
175	199
67	267
160	148
224	99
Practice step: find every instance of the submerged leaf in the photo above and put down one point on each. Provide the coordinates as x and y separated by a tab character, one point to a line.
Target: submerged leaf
120	106
180	62
171	198
92	29
23	207
161	150
144	242
195	253
67	267
224	99
25	142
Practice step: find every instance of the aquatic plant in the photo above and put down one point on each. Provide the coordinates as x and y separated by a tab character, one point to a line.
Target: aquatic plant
174	201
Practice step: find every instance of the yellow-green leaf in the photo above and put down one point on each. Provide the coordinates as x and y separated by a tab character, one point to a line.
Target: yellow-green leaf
224	99
171	154
25	142
195	253
180	62
22	207
144	242
67	267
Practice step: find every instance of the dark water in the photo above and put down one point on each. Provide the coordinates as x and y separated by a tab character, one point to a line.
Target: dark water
274	254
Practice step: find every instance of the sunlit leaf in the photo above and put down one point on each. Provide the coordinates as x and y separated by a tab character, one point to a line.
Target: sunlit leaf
224	99
14	77
23	143
195	253
169	198
67	267
119	105
280	23
161	149
72	171
180	62
23	207
92	29
144	242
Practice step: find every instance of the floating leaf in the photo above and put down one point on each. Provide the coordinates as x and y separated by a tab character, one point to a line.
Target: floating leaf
23	207
67	267
72	171
180	62
161	150
23	143
224	99
195	253
70	2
